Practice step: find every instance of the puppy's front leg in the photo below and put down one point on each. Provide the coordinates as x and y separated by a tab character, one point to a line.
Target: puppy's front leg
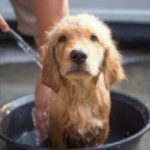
58	142
56	137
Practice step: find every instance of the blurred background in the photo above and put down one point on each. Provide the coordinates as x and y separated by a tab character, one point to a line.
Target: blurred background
130	23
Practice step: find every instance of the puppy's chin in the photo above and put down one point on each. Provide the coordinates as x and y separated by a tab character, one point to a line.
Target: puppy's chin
78	74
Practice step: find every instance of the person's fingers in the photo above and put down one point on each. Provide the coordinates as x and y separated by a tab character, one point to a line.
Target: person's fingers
42	122
42	104
42	118
3	25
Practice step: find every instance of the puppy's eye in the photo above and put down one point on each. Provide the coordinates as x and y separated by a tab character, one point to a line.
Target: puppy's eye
93	38
62	39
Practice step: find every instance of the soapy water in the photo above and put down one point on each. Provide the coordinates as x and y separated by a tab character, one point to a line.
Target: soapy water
29	138
32	138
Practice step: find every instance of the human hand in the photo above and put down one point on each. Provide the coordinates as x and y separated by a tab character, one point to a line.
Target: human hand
42	96
3	24
42	118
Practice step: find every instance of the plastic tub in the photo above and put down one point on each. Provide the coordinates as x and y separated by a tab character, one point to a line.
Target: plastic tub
130	119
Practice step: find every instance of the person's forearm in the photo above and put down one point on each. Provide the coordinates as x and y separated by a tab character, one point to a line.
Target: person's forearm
47	13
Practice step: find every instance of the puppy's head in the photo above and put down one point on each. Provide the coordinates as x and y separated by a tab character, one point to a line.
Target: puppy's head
80	47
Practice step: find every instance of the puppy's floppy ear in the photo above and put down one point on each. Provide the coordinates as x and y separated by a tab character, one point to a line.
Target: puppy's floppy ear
113	70
50	72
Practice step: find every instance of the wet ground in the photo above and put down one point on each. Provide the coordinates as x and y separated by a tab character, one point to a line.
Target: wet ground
18	76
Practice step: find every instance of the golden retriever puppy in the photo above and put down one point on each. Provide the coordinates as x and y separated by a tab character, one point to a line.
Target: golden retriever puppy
80	64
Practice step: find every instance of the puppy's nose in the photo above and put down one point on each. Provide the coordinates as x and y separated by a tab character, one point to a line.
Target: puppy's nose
78	56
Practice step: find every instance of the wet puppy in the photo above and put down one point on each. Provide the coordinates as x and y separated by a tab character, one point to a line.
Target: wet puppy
80	64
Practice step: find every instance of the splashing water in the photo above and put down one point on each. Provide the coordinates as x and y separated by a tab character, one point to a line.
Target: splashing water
35	57
25	47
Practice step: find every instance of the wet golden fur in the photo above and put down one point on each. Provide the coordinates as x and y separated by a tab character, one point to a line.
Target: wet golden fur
79	107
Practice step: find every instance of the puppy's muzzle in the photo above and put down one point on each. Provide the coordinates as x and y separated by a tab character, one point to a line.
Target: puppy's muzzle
78	57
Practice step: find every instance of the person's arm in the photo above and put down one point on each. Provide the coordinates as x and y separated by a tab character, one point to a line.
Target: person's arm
47	13
3	25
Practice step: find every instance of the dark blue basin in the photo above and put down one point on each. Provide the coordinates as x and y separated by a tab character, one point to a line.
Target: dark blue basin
130	119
